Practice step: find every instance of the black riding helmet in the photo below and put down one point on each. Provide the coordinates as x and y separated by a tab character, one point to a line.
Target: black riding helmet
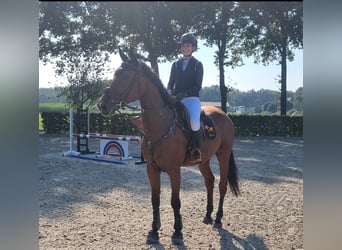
188	38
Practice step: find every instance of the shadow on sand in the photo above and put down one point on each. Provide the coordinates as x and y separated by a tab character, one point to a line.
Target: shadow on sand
227	241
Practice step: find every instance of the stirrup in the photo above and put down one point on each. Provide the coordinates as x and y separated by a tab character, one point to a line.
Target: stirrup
198	153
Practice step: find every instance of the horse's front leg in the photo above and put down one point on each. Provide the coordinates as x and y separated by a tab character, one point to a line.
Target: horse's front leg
154	177
175	179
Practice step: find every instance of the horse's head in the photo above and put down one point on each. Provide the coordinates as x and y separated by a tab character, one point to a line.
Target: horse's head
124	87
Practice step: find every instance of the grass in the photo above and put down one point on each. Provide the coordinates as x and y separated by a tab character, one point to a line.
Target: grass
40	123
53	107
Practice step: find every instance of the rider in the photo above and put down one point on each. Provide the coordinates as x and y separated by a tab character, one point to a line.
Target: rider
184	84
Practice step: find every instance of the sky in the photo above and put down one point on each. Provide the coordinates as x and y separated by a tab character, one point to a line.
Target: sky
244	78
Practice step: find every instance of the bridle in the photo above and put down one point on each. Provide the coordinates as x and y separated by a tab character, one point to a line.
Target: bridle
122	103
125	93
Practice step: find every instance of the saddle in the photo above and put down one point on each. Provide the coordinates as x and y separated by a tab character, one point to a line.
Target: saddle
207	128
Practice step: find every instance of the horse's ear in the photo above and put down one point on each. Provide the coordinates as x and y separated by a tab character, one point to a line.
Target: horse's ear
124	58
133	56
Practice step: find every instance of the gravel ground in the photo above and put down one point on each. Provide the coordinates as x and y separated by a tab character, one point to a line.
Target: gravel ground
88	204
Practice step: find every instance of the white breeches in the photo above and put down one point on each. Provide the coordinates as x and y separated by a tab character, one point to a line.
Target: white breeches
193	105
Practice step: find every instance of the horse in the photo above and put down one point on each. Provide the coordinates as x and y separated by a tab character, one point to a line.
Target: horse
164	141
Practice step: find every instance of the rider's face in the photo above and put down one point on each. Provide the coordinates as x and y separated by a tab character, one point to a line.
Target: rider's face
186	49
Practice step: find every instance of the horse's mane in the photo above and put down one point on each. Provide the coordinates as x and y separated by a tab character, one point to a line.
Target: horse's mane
157	82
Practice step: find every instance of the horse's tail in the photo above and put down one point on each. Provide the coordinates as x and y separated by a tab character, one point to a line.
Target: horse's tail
233	179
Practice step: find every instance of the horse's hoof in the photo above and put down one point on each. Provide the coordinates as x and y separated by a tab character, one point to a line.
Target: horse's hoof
218	225
152	238
207	220
177	238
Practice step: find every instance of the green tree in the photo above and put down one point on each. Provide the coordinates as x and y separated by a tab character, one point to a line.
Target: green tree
85	84
149	28
73	26
264	96
69	38
298	99
270	107
152	29
210	94
273	30
214	22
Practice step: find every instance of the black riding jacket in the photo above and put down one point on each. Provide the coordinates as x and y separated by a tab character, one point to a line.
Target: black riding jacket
188	82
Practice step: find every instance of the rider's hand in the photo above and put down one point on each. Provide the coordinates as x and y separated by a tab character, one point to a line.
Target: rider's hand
174	98
181	95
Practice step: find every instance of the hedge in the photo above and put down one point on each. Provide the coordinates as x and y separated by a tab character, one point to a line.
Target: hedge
245	125
58	122
267	125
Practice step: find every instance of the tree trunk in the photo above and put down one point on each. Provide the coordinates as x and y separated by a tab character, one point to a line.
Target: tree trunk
223	88
154	66
283	82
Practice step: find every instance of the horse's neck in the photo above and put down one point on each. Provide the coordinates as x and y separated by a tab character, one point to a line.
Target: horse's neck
157	116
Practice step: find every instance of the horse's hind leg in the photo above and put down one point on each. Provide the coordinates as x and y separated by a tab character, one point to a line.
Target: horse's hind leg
209	184
154	177
223	156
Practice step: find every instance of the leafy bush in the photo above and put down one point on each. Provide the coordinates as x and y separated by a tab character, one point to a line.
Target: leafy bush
55	122
267	125
245	125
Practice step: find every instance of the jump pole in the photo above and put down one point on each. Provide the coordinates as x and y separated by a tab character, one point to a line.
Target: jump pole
118	141
71	152
76	154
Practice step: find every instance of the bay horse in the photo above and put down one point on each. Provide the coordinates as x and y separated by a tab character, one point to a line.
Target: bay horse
164	143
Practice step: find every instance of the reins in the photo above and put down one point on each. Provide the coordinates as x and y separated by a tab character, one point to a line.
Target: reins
169	132
122	104
129	87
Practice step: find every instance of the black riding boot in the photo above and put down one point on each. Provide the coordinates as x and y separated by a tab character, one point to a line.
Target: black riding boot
196	156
